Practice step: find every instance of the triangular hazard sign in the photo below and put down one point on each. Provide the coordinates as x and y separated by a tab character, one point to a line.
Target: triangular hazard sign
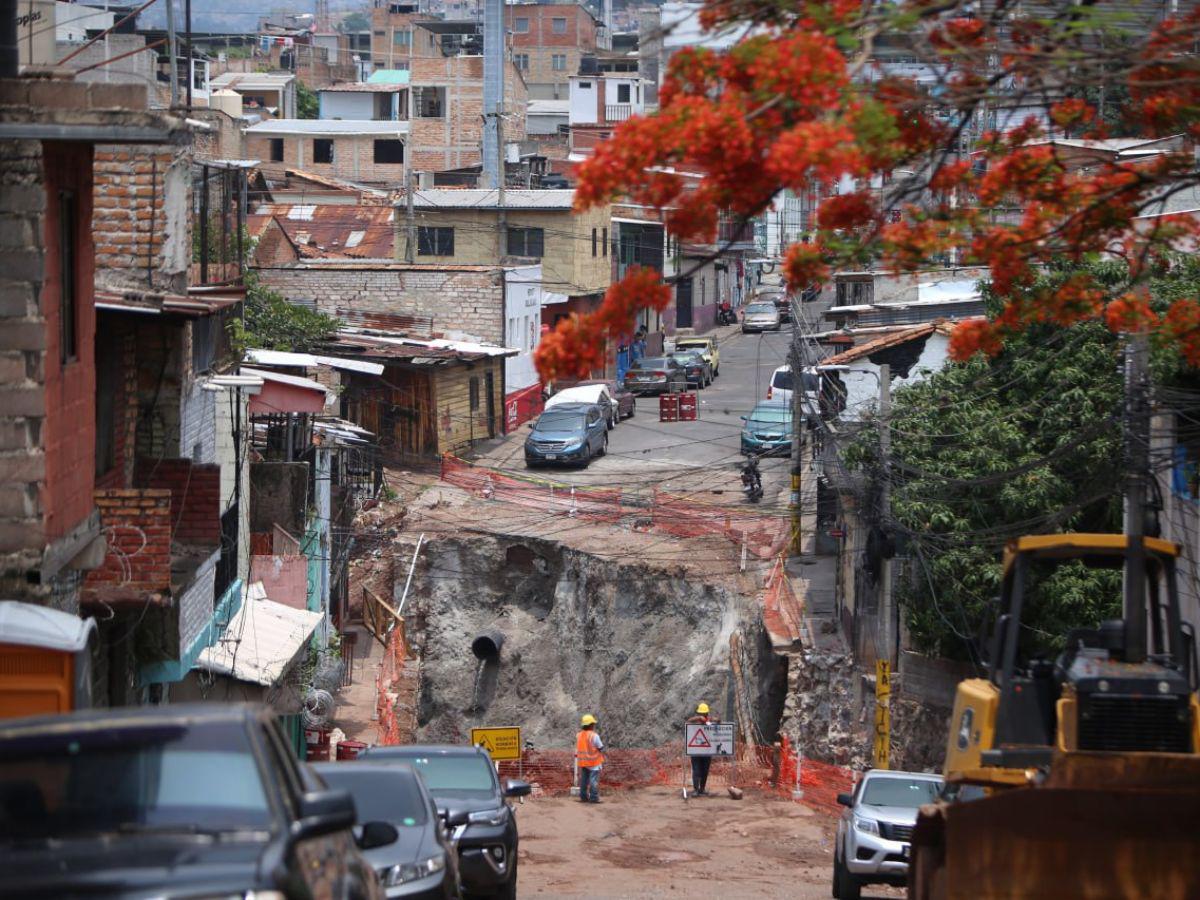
699	739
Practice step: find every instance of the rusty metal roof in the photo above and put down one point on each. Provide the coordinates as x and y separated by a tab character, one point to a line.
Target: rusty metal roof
354	231
200	301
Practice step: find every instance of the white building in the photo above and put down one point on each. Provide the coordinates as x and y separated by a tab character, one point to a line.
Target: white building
604	99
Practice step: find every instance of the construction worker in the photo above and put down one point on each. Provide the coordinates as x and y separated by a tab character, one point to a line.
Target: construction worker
589	757
701	764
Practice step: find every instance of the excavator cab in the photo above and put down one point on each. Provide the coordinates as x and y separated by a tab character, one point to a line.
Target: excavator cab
1087	754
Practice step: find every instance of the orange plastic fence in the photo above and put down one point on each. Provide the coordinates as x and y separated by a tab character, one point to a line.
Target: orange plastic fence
770	769
392	664
783	611
764	534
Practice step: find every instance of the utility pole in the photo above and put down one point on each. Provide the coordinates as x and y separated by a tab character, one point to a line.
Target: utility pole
187	30
887	615
796	359
172	54
410	220
1137	468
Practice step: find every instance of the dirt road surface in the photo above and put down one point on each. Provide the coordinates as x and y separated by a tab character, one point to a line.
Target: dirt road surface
650	843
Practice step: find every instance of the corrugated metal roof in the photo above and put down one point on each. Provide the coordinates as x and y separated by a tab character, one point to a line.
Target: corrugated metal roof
553	199
295	381
362	87
364	232
260	641
548	107
251	81
329	128
285	358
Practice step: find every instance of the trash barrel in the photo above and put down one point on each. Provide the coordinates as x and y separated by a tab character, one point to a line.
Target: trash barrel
316	744
689	405
350	749
668	407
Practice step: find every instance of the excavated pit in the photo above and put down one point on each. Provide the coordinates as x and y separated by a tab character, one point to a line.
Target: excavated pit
521	631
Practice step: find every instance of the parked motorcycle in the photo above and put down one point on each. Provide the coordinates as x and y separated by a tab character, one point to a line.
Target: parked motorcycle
751	481
726	315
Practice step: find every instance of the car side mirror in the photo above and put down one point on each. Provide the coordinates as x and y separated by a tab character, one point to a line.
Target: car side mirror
457	817
744	418
845	799
377	834
323	812
514	787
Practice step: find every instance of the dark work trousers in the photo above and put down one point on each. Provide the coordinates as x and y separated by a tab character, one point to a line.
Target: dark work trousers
700	765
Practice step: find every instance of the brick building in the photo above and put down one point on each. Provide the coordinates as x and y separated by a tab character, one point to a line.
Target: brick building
49	527
369	152
549	40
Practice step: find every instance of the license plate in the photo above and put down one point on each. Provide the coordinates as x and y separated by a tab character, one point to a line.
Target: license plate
551	456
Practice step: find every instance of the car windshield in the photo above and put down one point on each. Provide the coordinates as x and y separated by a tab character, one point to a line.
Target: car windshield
690	359
907	792
698	346
392	797
782	380
761	308
470	774
163	778
771	415
657	362
561	421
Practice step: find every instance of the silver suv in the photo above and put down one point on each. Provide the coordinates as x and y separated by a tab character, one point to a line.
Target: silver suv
874	834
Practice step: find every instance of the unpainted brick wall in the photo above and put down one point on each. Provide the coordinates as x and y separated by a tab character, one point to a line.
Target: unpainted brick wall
195	494
464	304
137	526
353	158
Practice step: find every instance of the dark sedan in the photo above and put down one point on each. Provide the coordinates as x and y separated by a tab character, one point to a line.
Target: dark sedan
656	375
699	372
626	402
465	787
422	863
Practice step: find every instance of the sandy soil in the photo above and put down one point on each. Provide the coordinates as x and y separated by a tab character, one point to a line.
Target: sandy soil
651	843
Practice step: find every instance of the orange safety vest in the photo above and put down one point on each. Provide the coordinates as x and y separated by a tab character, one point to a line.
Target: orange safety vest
585	751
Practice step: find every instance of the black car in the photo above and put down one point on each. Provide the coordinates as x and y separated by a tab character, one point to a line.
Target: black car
203	800
698	371
656	375
422	864
463	781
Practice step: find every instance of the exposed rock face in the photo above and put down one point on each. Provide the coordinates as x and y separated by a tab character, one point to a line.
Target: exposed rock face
821	714
918	735
635	644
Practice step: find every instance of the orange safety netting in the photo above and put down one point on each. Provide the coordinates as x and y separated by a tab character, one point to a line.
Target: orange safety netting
769	769
764	534
551	497
783	611
389	672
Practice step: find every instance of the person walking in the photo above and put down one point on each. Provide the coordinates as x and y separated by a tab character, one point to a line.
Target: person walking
701	764
589	757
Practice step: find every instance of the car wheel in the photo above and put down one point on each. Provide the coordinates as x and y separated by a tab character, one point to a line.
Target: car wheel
836	888
633	409
508	890
717	372
849	887
603	447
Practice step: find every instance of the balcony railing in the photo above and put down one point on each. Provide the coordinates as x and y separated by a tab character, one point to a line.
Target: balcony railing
618	112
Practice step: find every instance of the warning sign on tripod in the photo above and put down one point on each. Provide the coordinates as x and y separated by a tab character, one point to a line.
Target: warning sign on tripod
711	739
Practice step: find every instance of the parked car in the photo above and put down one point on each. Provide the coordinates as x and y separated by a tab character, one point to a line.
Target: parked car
626	402
656	375
588	393
778	296
782	383
760	316
707	346
423	863
568	433
468	793
874	834
193	800
768	429
695	366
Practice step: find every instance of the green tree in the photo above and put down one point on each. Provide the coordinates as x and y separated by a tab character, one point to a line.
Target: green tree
307	104
270	322
355	21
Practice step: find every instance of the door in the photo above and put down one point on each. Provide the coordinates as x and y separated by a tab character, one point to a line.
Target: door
489	382
683	304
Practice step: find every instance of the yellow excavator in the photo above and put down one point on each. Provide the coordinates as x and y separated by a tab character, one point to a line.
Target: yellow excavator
1078	776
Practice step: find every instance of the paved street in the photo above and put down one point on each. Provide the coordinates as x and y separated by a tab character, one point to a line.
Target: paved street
698	458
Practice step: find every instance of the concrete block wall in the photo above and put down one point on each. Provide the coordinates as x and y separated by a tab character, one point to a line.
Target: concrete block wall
353	158
198	425
137	525
197	602
125	412
194	493
142	221
464	304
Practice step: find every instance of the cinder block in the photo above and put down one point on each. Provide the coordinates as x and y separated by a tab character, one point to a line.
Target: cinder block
22	401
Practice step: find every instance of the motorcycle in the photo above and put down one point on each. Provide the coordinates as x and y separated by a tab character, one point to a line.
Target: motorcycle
726	315
751	481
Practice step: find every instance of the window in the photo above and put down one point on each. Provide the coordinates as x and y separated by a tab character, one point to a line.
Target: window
521	61
585	85
402	37
389	152
558	62
429	102
604	240
68	255
322	150
276	149
622	93
474	391
558	26
594	239
521	25
433	241
526	242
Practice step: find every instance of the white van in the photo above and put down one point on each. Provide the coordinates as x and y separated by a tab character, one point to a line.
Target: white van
781	386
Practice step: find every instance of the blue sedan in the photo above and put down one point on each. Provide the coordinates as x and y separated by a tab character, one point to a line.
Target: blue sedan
768	429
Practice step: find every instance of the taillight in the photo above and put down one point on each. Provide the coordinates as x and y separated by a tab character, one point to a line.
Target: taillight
663	374
770	390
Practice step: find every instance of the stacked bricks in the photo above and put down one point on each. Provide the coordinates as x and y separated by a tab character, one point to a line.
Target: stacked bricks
137	526
125	414
195	497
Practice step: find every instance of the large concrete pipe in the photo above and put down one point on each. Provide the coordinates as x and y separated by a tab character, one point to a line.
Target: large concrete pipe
487	645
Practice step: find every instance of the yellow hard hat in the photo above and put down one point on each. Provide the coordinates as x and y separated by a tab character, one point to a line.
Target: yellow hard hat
588	719
702	709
